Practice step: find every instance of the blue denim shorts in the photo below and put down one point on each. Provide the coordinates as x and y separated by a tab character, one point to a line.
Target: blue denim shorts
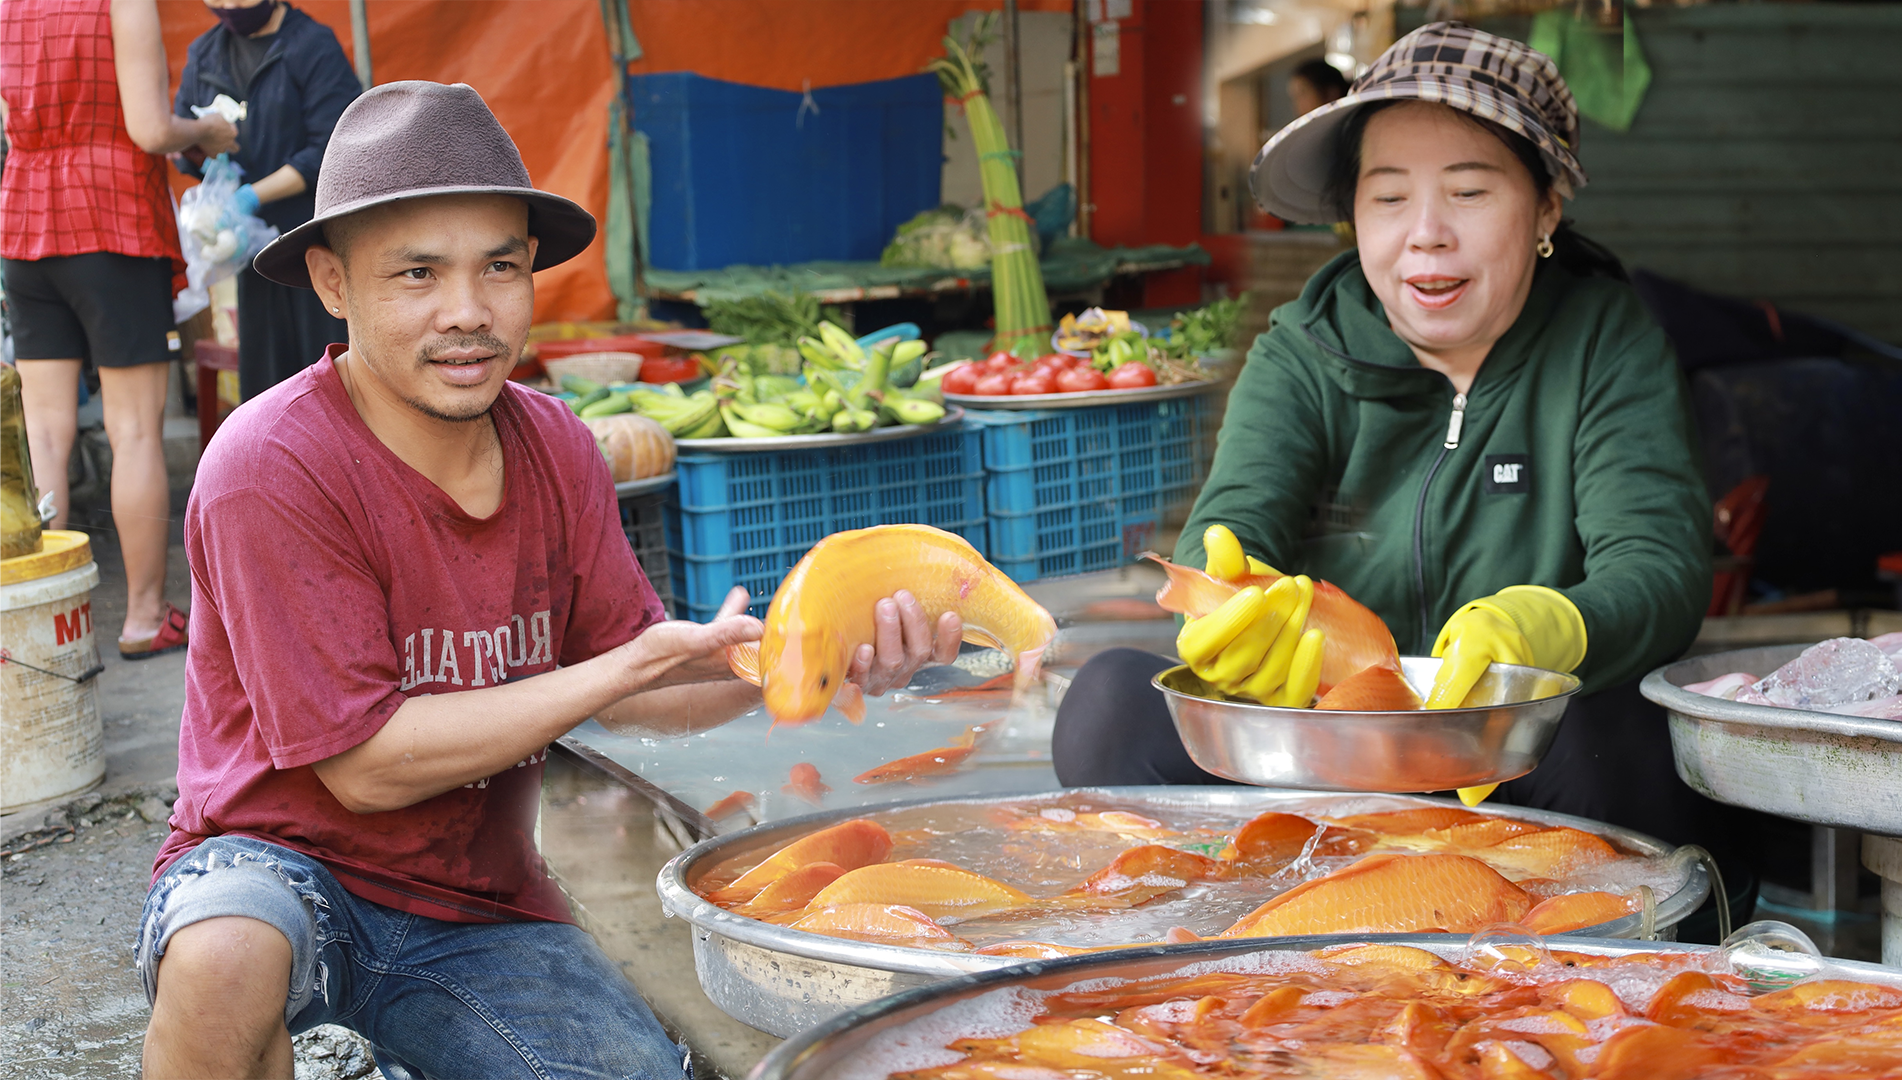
435	999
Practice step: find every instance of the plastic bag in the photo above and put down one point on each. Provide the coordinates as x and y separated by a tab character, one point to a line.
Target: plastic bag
219	239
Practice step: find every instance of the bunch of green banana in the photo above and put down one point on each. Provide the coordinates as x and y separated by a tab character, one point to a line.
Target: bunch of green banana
846	388
685	417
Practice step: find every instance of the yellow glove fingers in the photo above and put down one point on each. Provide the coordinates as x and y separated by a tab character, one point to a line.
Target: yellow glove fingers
1202	640
1304	673
1262	569
1224	560
1553	628
1461	665
1244	655
1274	669
1473	796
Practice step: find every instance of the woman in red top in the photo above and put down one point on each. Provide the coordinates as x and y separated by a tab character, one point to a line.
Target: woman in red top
90	248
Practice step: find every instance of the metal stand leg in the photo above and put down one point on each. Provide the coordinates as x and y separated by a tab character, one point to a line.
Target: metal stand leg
1833	867
1883	855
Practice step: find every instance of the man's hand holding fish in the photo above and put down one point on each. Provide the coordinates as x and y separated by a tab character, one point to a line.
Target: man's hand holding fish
679	680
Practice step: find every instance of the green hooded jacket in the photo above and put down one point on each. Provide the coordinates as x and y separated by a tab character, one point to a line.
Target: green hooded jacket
1571	465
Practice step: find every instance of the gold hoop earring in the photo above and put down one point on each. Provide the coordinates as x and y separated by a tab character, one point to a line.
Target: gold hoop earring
1545	247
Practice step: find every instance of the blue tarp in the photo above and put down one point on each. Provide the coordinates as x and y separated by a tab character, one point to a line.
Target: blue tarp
743	174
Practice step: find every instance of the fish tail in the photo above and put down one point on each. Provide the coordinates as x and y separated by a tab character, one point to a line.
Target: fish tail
743	659
1189	591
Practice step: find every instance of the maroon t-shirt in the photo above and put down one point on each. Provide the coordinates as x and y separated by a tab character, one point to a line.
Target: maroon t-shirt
331	581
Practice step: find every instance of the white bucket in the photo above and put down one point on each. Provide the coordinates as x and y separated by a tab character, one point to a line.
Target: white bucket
51	740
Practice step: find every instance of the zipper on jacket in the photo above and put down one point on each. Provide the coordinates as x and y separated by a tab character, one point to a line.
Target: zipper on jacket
1455	422
1453	425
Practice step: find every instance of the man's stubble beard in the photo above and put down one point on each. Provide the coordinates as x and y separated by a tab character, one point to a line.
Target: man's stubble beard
425	356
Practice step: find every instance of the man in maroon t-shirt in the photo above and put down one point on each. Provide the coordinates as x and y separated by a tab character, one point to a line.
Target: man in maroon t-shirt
383	549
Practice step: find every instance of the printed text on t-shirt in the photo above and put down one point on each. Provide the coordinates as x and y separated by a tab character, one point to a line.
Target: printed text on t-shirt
438	657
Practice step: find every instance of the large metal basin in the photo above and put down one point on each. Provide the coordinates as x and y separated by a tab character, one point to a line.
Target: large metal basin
1512	719
782	981
838	1049
1841	771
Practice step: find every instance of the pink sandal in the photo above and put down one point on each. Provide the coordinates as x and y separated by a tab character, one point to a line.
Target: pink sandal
170	638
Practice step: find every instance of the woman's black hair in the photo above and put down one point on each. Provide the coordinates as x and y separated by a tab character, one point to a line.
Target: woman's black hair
1571	249
1326	79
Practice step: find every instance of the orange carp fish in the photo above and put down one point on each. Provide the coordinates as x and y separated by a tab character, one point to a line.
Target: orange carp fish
822	613
1357	639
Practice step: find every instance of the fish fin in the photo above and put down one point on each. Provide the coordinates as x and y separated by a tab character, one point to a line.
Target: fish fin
851	701
1029	667
977	635
1188	591
744	660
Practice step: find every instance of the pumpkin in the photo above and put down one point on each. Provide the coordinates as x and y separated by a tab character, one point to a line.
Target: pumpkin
636	447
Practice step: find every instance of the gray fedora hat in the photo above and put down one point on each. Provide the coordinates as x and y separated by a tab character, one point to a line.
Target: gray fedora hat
411	140
1451	64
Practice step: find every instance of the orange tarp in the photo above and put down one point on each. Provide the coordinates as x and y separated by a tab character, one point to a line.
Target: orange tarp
543	66
786	44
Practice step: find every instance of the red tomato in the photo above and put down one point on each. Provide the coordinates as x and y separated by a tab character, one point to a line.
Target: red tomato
666	369
1131	376
962	379
993	384
1000	361
1078	379
1035	382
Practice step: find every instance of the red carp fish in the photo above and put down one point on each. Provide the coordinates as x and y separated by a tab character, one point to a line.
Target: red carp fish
822	613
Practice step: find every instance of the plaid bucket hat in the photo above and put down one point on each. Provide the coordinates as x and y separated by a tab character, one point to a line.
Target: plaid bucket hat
1448	63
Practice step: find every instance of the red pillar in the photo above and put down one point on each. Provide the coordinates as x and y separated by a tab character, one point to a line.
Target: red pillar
1146	139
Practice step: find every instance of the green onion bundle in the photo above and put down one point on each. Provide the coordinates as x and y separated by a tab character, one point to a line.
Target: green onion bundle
1022	306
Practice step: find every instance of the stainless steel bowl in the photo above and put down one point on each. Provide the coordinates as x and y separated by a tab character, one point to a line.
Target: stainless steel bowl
1513	715
844	1047
1841	771
782	980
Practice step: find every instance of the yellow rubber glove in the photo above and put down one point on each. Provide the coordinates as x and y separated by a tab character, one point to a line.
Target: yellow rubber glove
1254	644
1523	624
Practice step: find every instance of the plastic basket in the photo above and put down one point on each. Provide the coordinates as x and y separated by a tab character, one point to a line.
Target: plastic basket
1069	491
747	518
644	520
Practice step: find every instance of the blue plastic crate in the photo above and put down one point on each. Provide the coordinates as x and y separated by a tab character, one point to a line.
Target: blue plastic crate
747	518
1069	491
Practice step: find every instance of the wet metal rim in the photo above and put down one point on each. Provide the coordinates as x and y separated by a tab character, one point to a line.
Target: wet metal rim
782	980
952	416
1839	771
821	1051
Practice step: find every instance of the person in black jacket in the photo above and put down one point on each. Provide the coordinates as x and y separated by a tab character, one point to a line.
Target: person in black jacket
294	79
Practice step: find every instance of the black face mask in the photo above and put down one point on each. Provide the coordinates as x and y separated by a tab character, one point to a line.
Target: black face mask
245	21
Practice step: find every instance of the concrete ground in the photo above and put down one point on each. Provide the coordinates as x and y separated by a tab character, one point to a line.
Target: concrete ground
74	871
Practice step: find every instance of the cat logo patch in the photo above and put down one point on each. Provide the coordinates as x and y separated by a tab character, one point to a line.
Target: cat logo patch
1507	474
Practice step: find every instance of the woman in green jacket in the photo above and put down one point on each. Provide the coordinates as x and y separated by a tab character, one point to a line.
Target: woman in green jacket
1469	423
